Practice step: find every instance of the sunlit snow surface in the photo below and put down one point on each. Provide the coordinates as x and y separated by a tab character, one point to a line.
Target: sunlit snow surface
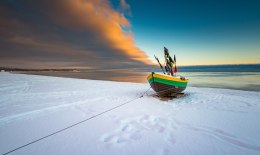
204	121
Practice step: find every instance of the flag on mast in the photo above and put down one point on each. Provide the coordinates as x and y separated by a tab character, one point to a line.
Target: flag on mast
175	67
166	52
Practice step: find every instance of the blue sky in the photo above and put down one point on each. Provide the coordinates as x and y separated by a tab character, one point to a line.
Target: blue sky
199	32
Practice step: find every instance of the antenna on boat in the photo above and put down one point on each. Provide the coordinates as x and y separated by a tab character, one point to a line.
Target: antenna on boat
159	63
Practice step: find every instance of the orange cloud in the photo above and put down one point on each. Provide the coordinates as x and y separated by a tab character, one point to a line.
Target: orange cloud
99	17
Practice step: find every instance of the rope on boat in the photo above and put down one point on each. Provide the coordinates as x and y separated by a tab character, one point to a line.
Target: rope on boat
145	92
75	124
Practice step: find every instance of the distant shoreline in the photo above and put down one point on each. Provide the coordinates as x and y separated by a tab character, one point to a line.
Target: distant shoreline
239	77
198	68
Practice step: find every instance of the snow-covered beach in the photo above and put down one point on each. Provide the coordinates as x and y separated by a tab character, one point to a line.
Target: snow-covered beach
204	121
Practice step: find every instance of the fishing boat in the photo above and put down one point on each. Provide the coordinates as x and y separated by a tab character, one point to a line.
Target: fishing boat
167	83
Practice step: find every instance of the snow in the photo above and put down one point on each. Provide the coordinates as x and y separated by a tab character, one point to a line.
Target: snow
203	121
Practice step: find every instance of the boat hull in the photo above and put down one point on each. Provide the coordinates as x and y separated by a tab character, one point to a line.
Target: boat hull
165	85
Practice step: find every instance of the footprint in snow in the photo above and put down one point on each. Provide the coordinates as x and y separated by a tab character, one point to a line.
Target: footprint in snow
134	129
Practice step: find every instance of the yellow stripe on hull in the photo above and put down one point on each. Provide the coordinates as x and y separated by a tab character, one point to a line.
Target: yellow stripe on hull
166	77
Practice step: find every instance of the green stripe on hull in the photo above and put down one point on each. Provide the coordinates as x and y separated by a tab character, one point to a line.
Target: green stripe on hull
167	82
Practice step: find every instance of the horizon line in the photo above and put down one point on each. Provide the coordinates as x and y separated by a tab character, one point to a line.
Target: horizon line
80	68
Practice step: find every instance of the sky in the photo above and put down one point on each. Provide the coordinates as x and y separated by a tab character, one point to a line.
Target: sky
123	34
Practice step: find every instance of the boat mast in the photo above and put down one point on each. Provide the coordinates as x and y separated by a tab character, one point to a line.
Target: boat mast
159	64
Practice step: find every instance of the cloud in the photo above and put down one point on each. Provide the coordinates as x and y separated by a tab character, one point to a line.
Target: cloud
99	17
86	32
125	7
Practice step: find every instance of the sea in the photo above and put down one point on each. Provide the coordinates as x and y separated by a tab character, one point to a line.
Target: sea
240	77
